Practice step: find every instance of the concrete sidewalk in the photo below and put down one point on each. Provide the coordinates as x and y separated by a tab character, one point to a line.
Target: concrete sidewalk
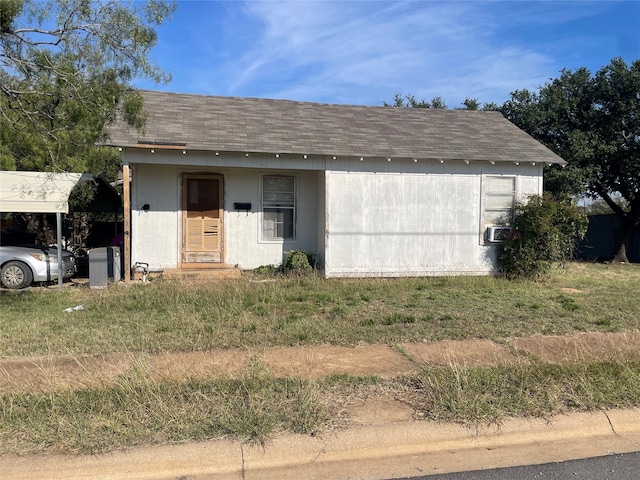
400	449
383	441
54	372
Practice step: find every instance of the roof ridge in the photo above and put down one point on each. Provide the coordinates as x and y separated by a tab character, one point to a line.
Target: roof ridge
242	124
306	102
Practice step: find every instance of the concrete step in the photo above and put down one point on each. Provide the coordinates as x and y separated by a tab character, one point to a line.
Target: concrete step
217	272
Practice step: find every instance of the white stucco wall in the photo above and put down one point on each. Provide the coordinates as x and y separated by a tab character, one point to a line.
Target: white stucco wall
154	236
244	245
362	218
156	232
425	221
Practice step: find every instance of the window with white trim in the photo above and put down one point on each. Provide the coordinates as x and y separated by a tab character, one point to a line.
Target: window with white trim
278	208
499	197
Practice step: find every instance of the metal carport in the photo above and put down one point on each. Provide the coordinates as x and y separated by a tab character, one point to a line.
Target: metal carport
40	192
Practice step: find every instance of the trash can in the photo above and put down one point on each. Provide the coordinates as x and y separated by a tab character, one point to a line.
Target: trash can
104	266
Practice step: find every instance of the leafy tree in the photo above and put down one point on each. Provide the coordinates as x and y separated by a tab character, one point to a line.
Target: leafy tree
545	232
474	104
471	104
438	103
593	122
411	102
66	70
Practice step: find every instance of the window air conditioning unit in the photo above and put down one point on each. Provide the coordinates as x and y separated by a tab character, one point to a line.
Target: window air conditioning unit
498	234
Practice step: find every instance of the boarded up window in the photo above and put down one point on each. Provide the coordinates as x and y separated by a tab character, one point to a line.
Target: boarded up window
202	235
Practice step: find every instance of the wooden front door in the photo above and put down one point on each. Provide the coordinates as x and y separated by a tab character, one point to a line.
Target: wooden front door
201	220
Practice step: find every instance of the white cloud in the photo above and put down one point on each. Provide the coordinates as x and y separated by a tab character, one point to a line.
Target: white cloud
317	50
366	51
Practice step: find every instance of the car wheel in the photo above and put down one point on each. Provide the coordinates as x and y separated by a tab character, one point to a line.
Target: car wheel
16	275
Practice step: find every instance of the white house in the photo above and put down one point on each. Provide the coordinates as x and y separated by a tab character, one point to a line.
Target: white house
372	191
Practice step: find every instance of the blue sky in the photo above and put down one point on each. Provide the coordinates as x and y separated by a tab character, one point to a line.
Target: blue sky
364	52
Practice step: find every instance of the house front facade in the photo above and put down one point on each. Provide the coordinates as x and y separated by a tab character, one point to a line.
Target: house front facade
371	191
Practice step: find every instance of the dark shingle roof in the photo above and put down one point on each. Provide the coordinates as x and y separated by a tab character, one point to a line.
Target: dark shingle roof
281	126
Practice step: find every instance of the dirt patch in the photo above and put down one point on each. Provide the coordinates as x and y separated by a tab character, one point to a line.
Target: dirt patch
179	365
459	352
46	373
586	346
378	411
571	290
322	361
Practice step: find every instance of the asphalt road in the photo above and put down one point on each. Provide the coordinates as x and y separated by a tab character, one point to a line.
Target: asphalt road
611	467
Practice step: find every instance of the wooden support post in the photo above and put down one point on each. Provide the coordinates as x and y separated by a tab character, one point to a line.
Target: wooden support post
59	249
126	193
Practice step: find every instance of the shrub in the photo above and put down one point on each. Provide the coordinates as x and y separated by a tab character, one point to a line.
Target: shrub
546	231
265	270
297	262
